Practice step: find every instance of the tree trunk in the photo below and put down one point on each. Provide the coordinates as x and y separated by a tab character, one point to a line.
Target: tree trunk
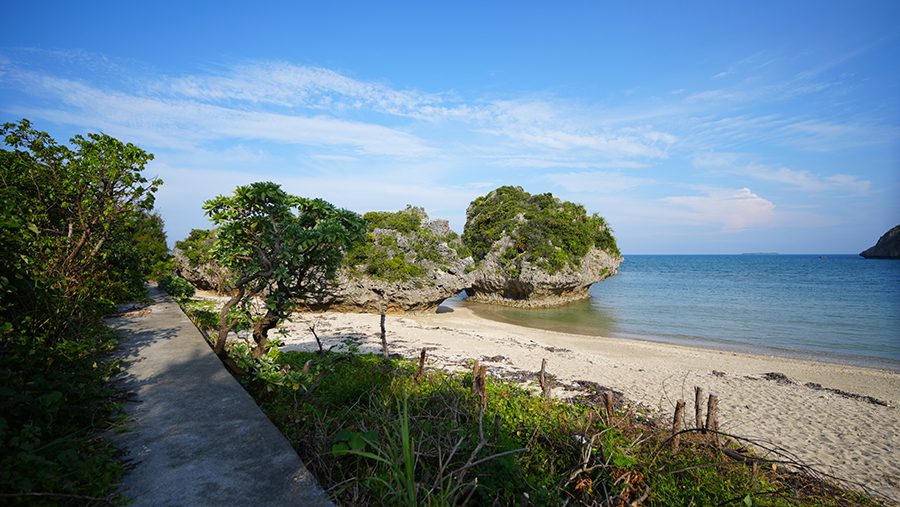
224	326
261	331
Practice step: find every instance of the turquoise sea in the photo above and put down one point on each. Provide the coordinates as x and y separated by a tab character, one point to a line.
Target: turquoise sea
836	308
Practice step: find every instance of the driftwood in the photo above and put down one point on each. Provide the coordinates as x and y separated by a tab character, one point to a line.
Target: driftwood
545	382
476	366
677	423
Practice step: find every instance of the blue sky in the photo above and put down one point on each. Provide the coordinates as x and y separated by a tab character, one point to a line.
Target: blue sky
712	127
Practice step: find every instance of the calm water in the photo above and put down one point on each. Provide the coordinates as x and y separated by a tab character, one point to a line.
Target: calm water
839	308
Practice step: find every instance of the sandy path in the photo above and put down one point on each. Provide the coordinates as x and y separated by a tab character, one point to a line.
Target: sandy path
850	437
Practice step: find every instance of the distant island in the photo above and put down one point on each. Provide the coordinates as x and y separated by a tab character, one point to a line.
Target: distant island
888	246
760	253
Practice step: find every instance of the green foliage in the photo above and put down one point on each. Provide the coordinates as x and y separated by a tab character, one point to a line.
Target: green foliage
406	221
197	247
382	256
77	234
373	434
177	287
281	247
543	230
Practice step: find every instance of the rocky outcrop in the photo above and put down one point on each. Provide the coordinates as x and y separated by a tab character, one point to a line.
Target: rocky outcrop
194	263
888	246
536	250
531	286
408	263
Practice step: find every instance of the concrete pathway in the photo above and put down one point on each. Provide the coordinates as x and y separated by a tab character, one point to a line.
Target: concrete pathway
196	437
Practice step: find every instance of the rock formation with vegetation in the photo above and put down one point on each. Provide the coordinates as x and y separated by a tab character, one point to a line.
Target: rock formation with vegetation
195	263
406	263
888	246
536	250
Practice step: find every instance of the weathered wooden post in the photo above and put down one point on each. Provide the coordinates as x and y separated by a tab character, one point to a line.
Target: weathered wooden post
482	384
677	424
421	369
545	383
712	413
475	369
384	348
698	407
610	400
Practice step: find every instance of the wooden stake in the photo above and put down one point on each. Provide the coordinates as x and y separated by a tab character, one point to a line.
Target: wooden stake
698	407
482	384
677	423
610	400
545	383
421	369
475	369
712	412
384	348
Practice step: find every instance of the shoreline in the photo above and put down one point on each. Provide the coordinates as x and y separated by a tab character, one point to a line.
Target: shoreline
840	418
836	358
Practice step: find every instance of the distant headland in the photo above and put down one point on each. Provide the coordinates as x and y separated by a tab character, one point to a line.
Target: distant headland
888	246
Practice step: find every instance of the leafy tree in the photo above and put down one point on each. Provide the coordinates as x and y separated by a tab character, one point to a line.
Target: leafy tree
280	247
76	198
76	227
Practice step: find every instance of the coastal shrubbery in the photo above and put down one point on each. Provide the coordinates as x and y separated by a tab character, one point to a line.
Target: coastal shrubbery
77	234
543	230
377	431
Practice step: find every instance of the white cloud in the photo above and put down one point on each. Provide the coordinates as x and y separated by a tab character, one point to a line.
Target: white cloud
794	178
181	124
734	210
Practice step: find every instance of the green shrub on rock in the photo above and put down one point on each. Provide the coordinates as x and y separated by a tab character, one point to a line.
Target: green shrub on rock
542	229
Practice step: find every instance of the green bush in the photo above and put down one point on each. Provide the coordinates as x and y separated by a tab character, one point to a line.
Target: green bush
197	247
77	235
177	287
380	255
373	432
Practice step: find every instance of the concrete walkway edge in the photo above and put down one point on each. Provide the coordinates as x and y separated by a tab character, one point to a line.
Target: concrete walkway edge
196	437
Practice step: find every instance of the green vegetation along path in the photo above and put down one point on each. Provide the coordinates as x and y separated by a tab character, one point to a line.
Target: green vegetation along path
195	436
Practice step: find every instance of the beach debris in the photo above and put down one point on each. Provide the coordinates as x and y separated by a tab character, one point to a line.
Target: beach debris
494	359
781	378
845	394
718	373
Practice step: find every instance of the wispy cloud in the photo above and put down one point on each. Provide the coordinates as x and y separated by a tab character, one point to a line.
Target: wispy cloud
734	210
807	181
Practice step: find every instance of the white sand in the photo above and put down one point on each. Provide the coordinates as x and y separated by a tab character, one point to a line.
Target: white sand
851	438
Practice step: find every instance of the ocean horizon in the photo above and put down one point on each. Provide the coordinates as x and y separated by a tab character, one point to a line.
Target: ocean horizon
837	308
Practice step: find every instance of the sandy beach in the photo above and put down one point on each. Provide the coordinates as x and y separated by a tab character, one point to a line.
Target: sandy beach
842	419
